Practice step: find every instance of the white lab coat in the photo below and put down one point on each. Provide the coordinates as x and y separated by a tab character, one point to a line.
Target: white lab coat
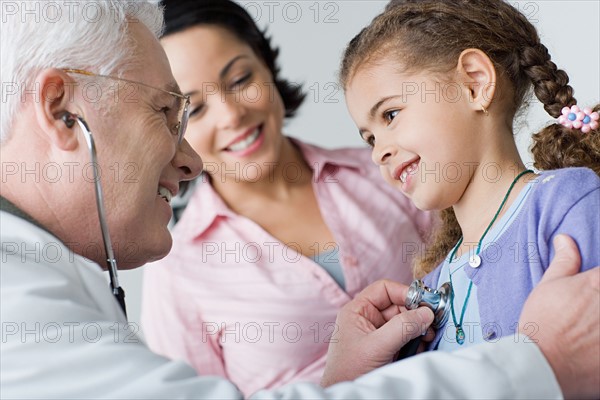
64	336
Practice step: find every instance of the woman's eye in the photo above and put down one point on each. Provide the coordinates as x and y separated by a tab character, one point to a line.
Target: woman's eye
370	140
390	115
241	81
197	110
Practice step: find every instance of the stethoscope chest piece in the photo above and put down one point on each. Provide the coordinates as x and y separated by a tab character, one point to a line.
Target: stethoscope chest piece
437	300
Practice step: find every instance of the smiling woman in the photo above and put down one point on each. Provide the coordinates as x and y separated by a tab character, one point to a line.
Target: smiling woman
231	91
279	234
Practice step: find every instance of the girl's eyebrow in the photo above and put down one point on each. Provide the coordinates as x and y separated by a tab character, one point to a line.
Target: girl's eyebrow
382	101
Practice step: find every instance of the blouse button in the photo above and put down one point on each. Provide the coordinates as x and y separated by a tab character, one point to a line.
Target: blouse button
350	261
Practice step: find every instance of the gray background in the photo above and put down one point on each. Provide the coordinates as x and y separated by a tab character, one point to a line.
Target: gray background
312	35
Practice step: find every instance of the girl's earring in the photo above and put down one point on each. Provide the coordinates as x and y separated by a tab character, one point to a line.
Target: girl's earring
485	111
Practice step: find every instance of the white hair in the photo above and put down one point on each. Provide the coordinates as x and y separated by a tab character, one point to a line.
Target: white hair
85	34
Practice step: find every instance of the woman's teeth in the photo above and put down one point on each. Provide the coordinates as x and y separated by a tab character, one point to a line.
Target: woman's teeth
244	144
165	193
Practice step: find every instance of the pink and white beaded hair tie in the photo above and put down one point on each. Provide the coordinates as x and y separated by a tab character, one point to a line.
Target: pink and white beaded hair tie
573	117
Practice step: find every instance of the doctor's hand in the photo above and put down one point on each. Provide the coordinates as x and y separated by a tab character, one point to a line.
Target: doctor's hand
562	315
370	331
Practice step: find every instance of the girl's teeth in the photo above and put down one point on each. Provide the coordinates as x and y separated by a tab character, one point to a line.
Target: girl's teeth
244	144
408	170
165	193
403	176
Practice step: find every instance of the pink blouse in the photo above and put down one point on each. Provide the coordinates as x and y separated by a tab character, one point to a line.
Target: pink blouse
231	300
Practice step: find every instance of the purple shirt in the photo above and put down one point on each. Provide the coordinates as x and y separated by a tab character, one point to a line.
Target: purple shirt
561	201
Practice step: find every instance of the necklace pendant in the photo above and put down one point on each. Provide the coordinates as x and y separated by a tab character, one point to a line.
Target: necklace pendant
460	335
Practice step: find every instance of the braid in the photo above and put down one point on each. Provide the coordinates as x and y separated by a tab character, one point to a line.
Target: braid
556	146
550	84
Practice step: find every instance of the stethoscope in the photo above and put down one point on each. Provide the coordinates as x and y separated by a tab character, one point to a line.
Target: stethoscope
70	119
419	295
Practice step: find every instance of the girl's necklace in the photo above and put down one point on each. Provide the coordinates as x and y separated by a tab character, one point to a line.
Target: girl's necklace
474	261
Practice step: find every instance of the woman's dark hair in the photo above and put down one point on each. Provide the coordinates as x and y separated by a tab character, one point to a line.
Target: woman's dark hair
430	34
183	14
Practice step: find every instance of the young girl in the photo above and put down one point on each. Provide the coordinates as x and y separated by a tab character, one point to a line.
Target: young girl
434	87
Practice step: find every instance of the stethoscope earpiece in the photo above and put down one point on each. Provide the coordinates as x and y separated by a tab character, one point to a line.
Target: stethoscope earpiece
68	119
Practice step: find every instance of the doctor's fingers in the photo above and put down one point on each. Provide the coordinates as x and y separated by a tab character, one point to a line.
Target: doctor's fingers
382	294
399	330
566	261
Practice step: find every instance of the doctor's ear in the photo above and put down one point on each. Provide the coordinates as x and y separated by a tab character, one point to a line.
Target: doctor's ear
477	74
52	99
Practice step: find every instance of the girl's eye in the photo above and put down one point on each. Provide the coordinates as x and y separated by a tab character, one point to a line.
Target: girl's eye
390	115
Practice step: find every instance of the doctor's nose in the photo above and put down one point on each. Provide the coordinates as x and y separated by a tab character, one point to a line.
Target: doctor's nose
187	161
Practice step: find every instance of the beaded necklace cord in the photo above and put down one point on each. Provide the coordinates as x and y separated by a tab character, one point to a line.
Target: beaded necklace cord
475	261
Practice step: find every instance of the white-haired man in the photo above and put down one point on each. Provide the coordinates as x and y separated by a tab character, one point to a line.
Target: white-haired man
82	76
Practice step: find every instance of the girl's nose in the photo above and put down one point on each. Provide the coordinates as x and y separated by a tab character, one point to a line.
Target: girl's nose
382	153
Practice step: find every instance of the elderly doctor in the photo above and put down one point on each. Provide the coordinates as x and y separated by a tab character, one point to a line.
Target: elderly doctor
92	152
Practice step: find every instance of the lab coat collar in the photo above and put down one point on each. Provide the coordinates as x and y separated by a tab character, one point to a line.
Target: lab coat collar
9	207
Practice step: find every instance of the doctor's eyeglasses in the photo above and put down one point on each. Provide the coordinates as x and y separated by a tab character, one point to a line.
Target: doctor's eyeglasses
177	116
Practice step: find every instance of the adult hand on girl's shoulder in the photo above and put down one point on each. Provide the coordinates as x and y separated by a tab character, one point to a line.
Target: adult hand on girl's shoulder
571	342
370	331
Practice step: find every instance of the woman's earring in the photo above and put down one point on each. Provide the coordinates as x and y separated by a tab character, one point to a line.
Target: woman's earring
485	111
